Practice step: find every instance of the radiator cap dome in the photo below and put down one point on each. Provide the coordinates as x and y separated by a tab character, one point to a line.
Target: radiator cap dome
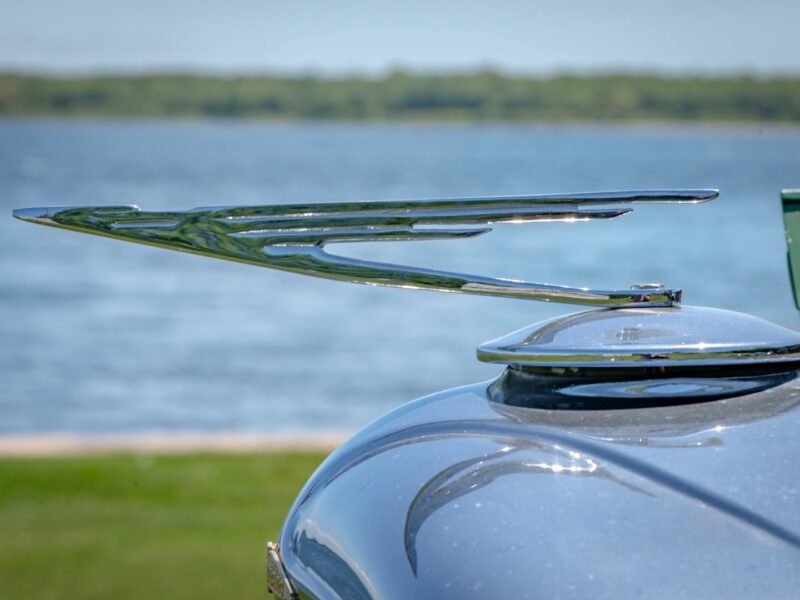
679	336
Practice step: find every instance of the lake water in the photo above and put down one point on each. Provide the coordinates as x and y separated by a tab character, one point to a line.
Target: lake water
100	336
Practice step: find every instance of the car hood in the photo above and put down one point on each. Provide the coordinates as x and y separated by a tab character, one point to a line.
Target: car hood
457	496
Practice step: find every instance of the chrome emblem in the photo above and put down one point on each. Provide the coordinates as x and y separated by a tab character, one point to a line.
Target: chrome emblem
293	237
278	583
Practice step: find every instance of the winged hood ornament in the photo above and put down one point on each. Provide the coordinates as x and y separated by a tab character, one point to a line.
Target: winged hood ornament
636	408
293	237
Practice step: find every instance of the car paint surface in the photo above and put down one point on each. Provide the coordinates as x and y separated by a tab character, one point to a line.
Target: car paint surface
457	496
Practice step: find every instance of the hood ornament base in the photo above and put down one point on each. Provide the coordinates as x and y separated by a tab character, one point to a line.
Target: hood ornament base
635	338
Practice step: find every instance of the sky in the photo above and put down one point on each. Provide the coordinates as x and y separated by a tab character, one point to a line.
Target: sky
372	37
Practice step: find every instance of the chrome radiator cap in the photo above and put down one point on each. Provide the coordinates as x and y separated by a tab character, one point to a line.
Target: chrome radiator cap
668	337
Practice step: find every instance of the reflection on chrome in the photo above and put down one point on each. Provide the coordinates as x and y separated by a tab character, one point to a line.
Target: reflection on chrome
695	425
323	556
577	390
465	477
652	443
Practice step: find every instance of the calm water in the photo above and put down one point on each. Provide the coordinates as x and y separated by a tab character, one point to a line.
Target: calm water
101	336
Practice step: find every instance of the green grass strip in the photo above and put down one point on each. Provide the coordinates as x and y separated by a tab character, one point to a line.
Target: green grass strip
143	526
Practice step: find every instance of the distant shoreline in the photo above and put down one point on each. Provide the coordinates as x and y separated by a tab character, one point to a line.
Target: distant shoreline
480	97
65	444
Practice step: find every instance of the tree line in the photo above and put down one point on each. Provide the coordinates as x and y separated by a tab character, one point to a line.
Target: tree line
484	96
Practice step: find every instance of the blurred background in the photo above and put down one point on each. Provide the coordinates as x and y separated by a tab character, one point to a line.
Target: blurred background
172	105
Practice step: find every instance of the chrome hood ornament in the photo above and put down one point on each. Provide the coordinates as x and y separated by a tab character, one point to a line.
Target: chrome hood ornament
641	407
641	328
293	237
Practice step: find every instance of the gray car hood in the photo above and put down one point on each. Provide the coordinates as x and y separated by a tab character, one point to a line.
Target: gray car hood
457	496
